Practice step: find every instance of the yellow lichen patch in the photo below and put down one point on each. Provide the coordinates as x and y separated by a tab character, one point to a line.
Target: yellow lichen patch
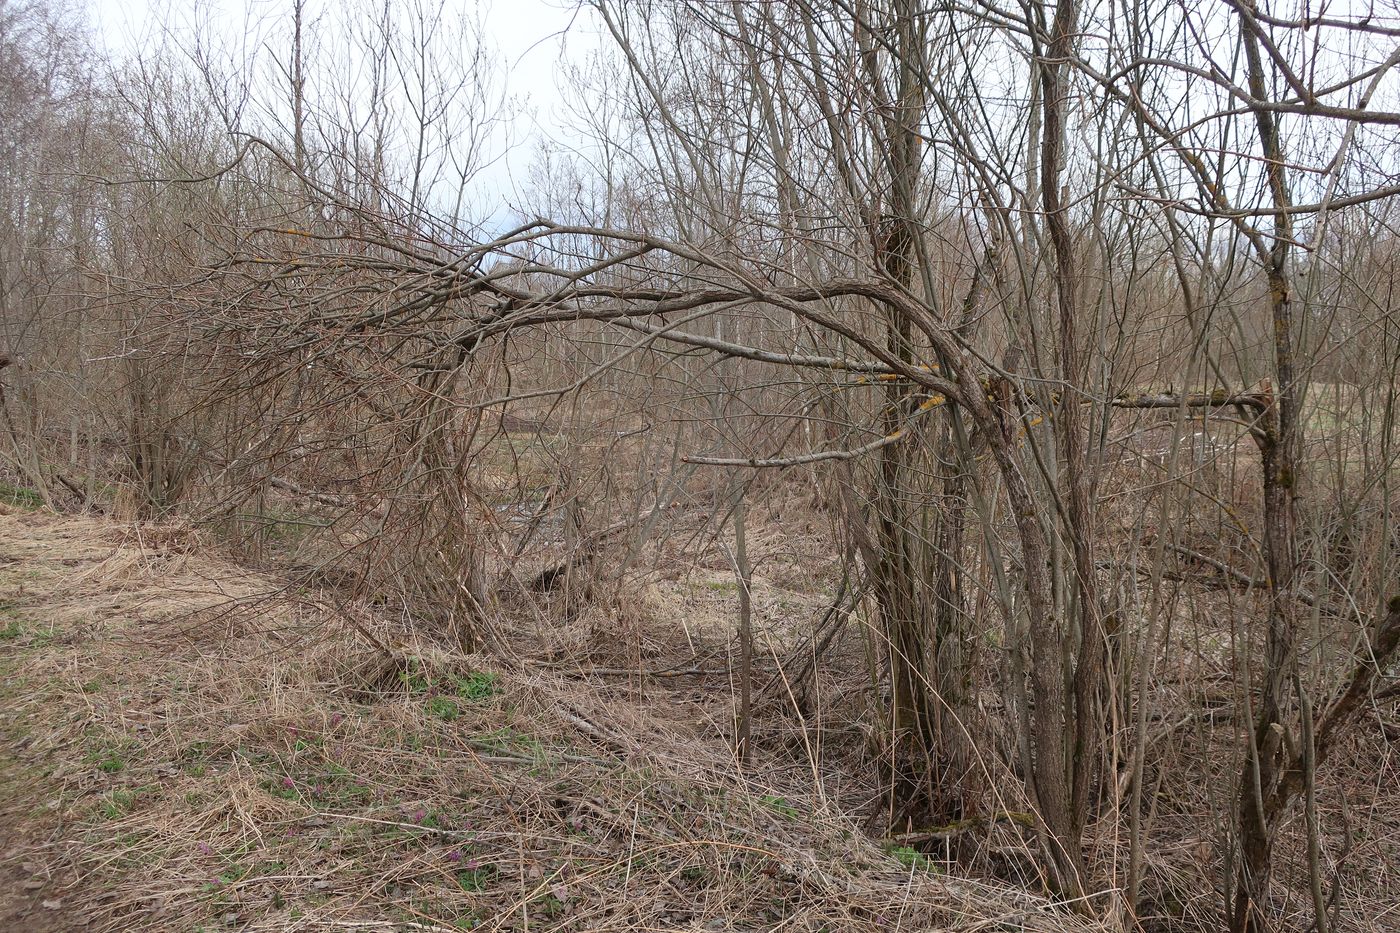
933	401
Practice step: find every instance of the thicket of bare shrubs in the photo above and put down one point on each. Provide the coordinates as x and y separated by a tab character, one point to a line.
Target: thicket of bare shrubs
1069	330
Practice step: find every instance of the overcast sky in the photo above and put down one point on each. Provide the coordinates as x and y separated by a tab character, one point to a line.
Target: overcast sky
523	29
531	36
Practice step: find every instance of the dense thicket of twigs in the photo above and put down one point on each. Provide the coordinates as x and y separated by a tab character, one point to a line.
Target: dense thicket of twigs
1075	321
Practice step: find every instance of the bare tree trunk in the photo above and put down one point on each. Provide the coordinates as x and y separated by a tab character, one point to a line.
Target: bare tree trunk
744	575
1258	815
903	577
1087	663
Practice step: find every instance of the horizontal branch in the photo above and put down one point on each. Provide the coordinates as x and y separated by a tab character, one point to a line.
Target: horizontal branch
1217	399
754	353
1333	203
1302	595
820	455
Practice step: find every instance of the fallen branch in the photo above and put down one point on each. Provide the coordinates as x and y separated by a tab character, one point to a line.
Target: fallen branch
1303	596
955	829
1217	399
794	674
1332	725
586	551
320	498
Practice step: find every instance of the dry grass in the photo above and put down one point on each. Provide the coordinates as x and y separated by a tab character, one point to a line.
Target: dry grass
207	750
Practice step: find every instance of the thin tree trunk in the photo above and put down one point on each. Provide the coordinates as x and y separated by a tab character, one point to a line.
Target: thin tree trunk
1258	819
744	574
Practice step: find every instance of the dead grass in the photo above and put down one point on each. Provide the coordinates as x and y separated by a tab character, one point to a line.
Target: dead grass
217	752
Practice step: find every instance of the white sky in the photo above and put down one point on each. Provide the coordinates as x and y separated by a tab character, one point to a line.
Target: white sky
516	26
534	38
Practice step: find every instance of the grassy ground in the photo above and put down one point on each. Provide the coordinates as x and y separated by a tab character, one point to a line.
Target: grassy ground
192	746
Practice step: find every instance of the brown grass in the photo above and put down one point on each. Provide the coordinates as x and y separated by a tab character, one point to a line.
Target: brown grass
206	749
